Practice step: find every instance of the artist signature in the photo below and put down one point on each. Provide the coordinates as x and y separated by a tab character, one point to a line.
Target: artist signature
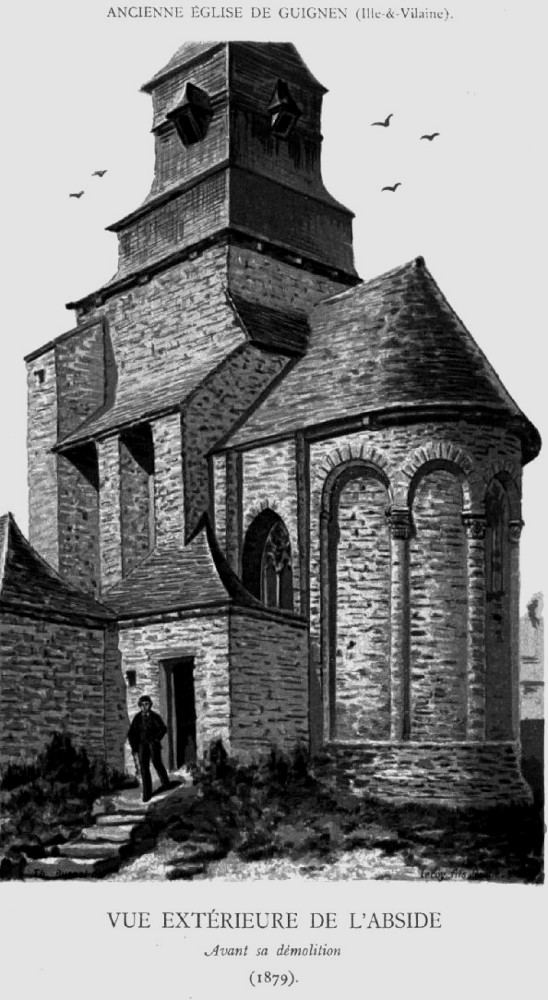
451	874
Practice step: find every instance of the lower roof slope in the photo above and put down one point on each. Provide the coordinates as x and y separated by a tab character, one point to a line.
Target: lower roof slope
392	343
167	387
171	578
29	584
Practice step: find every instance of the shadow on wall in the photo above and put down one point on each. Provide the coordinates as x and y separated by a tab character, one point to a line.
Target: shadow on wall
532	756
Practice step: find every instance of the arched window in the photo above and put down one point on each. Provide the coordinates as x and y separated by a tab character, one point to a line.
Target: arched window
356	602
438	597
266	561
498	665
496	515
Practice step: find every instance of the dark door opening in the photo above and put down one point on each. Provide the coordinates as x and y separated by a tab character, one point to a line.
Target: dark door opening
181	712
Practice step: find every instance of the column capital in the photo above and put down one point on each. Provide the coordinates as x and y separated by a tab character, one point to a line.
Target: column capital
514	530
399	522
475	525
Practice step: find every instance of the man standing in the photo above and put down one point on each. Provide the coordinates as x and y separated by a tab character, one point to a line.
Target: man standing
146	731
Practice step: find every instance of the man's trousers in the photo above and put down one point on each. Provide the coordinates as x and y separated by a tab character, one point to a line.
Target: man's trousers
151	752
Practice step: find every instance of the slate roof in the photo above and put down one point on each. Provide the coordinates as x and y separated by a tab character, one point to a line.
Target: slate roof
29	584
172	578
390	343
186	53
167	386
190	51
267	327
160	391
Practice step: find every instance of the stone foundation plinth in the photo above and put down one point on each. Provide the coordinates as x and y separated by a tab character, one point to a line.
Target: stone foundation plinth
480	775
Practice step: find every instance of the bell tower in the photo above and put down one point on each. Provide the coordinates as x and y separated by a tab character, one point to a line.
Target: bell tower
217	271
238	152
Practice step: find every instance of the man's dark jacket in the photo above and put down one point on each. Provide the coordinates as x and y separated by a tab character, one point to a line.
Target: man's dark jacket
145	729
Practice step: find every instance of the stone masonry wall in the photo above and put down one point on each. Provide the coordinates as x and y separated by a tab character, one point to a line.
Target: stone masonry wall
275	283
78	484
362	669
42	463
168	481
116	713
81	381
110	520
213	410
269	683
219	498
65	384
136	500
169	327
268	480
144	647
439	610
445	774
392	449
51	678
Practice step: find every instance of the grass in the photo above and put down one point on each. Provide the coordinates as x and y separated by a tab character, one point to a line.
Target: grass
280	807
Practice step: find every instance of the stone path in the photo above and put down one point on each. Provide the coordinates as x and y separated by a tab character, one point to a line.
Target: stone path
157	865
123	826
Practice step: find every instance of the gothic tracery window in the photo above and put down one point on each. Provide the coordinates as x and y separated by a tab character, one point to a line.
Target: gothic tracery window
276	574
266	565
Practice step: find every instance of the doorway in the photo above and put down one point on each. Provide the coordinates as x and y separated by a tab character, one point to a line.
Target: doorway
181	711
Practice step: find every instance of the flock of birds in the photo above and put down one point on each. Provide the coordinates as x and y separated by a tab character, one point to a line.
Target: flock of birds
385	124
78	194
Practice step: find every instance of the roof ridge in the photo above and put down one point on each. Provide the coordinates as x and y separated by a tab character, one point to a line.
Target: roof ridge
370	283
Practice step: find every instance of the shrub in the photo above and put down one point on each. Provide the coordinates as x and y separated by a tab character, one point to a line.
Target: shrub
56	788
18	773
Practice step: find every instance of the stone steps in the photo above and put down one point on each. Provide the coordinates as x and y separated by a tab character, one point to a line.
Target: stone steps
63	868
123	826
86	849
118	819
120	834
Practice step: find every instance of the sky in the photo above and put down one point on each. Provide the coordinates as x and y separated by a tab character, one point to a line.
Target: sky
471	202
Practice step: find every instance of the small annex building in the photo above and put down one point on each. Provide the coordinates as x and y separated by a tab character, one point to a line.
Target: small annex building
284	502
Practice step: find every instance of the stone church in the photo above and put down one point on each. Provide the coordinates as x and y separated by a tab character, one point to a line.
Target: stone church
282	501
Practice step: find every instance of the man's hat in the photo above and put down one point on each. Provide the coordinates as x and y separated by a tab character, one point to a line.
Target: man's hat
143	699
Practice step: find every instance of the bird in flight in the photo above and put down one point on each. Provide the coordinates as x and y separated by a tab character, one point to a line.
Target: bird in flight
385	123
76	194
391	187
98	173
430	137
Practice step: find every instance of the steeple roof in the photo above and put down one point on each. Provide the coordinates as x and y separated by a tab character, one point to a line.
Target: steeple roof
29	585
190	52
390	344
238	140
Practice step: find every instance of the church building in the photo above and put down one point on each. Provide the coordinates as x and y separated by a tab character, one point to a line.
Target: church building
283	502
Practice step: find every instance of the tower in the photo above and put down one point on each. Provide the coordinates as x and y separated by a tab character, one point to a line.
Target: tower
217	269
